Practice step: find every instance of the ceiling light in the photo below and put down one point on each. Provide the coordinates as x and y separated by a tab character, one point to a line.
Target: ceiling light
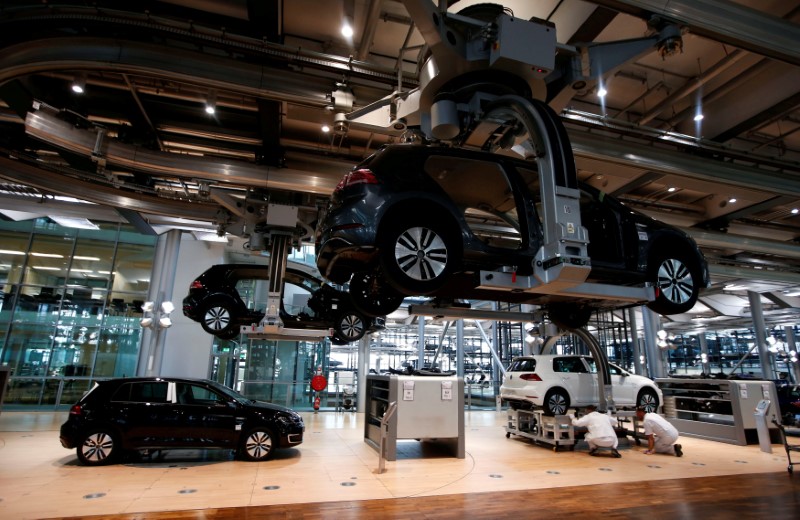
79	83
47	255
326	129
11	252
347	29
698	117
348	8
87	258
211	102
732	200
671	189
795	211
601	91
45	268
209	236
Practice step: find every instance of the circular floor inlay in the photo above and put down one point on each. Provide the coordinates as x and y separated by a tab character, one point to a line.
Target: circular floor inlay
494	475
740	461
605	469
653	466
698	463
553	472
94	495
347	484
271	488
187	491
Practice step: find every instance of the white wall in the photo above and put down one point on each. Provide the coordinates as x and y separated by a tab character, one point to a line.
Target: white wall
187	347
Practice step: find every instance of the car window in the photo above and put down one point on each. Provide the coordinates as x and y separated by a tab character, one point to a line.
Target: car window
253	292
523	365
144	392
481	190
614	369
295	299
574	365
195	394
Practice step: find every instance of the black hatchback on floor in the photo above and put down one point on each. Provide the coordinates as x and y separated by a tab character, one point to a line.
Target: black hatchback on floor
158	413
424	220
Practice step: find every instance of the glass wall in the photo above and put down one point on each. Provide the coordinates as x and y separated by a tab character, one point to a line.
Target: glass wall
70	307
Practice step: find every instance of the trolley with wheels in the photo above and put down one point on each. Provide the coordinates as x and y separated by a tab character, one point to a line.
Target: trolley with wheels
556	431
788	447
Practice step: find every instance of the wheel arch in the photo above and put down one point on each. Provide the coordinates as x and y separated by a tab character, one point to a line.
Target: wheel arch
431	209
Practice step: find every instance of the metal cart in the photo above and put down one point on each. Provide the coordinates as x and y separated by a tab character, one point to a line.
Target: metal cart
535	425
789	447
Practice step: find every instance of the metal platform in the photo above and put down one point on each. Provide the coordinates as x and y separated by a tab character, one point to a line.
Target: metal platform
556	431
280	333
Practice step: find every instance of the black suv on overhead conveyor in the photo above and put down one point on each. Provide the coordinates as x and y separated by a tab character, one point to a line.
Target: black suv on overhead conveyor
143	414
227	296
421	220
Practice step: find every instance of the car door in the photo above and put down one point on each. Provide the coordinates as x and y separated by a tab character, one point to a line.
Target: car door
207	418
573	374
144	414
623	385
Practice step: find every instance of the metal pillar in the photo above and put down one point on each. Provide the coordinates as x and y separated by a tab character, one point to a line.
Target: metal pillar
421	343
361	373
460	348
655	363
638	366
757	312
165	264
791	346
701	338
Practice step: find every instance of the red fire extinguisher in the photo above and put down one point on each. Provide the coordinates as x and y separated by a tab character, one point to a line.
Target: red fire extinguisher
318	383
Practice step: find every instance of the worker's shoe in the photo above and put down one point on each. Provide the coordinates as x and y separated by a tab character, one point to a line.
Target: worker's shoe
593	451
616	454
678	450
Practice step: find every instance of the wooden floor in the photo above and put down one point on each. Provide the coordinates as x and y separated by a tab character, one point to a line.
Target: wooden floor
333	474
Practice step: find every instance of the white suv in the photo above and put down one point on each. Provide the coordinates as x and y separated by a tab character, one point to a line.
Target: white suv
558	382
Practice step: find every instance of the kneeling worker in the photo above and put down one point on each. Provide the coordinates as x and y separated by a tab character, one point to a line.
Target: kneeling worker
601	433
661	435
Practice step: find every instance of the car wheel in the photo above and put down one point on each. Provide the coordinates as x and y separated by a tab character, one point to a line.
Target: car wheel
258	445
350	326
569	315
648	400
217	319
373	296
418	255
676	277
556	402
98	448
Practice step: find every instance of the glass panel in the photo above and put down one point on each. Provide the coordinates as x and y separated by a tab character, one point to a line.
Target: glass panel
132	271
13	249
24	391
48	260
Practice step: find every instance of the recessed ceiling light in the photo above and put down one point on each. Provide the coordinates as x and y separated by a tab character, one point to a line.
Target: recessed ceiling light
601	92
732	200
795	211
671	189
326	129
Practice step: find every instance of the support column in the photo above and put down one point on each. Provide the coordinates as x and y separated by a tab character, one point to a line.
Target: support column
421	342
638	366
757	312
165	264
701	338
655	363
791	346
460	347
362	370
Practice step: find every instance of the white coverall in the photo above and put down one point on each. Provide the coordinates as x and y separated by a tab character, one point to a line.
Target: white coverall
601	430
664	434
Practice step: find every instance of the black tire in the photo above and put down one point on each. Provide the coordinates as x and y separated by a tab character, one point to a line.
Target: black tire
648	399
372	296
258	445
569	315
217	319
556	402
677	278
418	255
99	447
350	326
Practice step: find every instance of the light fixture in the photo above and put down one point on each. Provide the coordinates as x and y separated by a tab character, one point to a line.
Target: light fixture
211	102
732	200
79	83
601	91
161	317
347	18
74	222
325	129
47	255
671	189
795	211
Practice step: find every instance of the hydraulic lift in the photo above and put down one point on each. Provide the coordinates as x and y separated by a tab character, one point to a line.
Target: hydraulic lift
484	86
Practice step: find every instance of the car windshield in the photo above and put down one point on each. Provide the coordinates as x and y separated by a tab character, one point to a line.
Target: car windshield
614	369
239	398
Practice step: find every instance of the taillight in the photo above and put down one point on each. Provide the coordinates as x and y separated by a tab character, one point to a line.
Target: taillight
361	176
530	377
197	284
76	410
